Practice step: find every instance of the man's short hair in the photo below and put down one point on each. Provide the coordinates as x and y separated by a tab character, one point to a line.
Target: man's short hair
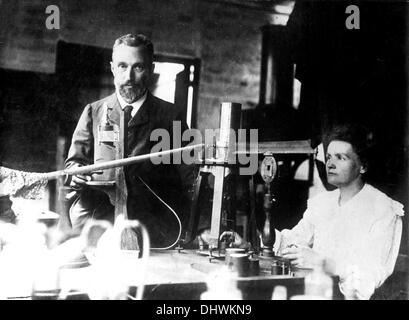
357	135
135	40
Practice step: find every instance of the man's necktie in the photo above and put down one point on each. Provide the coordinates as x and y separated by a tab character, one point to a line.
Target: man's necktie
127	113
126	117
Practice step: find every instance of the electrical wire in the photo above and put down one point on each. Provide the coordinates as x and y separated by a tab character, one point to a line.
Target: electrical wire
174	213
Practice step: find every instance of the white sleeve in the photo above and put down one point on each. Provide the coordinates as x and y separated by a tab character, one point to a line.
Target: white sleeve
376	260
301	234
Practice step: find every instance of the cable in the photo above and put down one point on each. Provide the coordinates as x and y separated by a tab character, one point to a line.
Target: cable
174	213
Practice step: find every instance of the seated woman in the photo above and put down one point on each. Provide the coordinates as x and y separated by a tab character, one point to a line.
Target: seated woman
355	229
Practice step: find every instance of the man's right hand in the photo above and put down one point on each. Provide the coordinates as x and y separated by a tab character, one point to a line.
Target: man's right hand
78	181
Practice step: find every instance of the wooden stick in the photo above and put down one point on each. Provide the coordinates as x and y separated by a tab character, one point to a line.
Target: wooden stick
114	163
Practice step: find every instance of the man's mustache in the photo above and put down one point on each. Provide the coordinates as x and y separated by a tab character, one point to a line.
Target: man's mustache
129	83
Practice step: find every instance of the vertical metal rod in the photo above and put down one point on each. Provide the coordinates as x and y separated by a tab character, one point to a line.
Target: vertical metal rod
217	206
230	116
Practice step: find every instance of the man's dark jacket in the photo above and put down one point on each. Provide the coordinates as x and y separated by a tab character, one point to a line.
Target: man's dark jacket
171	182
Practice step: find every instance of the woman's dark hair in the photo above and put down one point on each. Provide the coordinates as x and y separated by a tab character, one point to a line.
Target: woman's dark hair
358	136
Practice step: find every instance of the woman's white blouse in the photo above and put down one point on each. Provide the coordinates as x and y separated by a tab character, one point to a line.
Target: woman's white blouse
363	235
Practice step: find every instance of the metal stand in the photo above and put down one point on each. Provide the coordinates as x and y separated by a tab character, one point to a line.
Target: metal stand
268	170
224	202
225	173
223	166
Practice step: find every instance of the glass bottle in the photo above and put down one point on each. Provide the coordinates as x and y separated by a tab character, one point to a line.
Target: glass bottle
318	283
279	293
222	285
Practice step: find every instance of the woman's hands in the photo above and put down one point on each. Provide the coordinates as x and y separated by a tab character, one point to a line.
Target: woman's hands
302	256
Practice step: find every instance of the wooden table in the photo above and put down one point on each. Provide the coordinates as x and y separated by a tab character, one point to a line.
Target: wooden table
174	275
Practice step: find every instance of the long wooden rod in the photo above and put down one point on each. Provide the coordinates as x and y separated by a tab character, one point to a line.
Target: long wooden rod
115	163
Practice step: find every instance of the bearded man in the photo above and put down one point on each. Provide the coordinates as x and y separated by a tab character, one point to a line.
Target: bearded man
132	67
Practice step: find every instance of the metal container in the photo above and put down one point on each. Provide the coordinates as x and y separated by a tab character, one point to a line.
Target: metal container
276	268
280	267
254	266
229	252
240	263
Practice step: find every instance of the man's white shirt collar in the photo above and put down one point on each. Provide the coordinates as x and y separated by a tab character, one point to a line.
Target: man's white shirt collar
136	105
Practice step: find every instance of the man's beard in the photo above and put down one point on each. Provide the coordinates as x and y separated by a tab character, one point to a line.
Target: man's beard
131	93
